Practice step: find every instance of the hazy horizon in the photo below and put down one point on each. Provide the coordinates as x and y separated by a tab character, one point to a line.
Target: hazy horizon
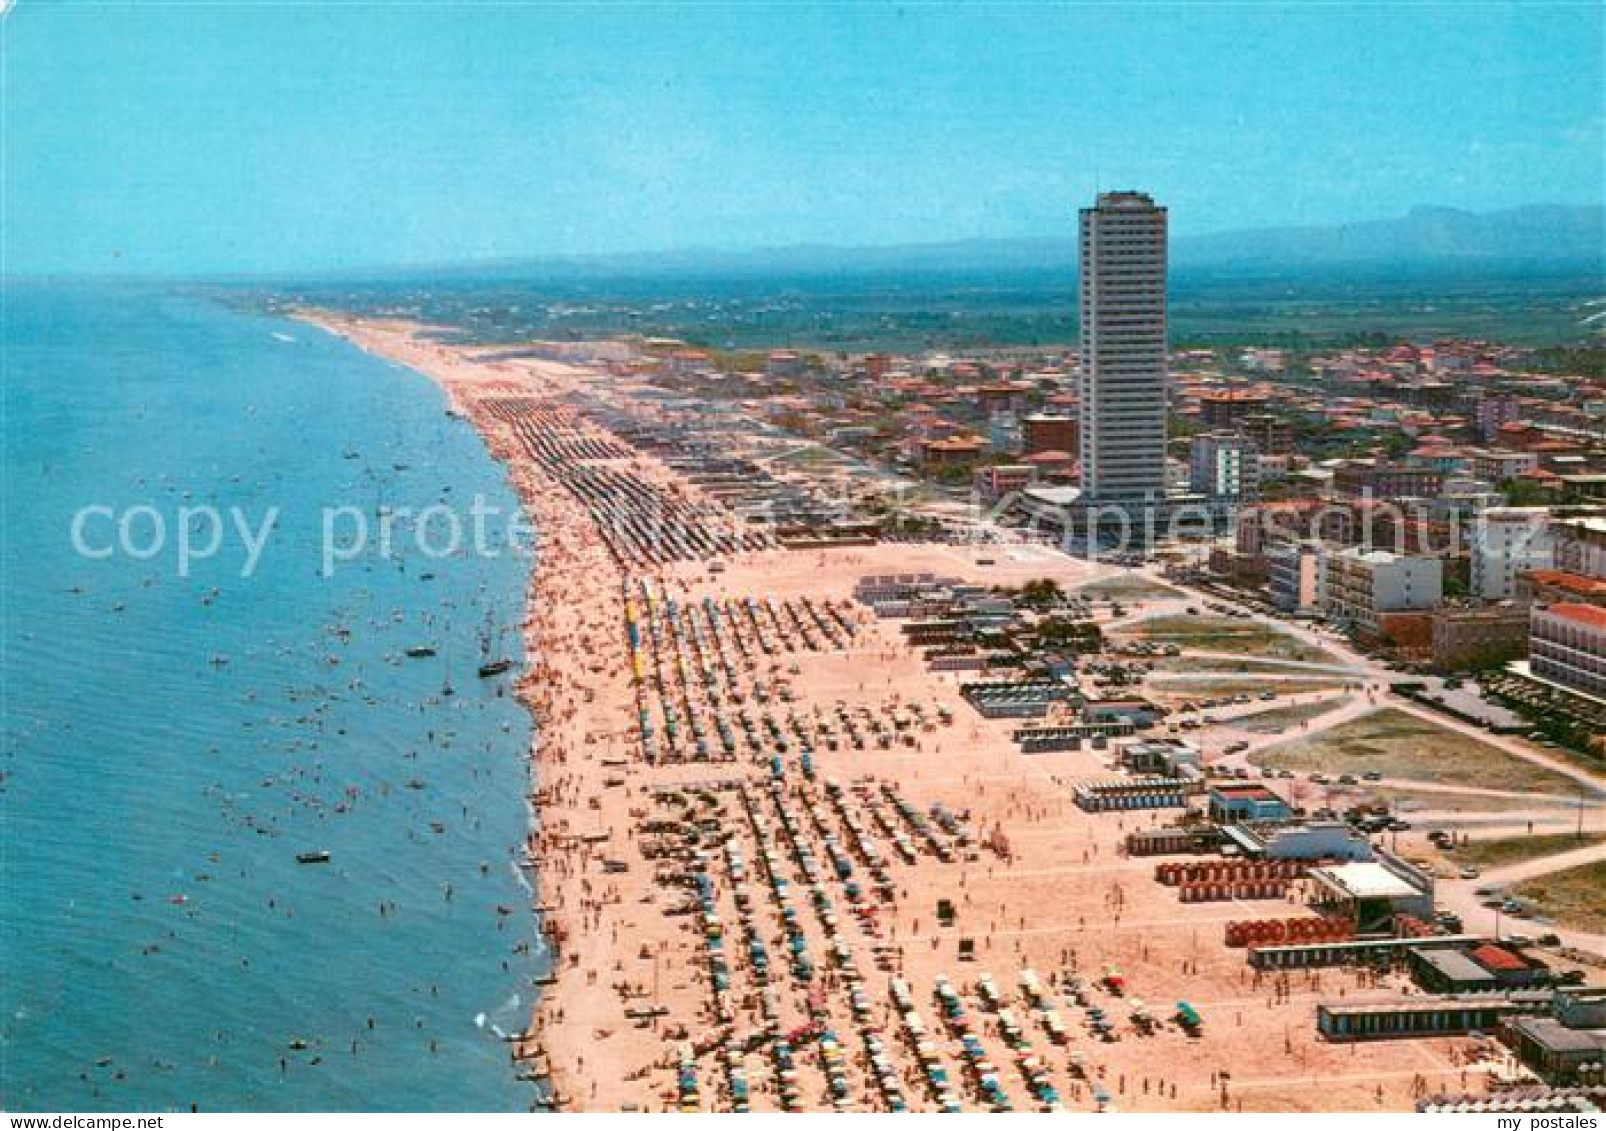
182	140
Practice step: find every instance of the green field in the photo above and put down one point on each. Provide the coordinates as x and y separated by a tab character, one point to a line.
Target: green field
1401	746
1201	687
1227	634
1572	898
1286	718
1127	587
1212	666
1408	800
1516	849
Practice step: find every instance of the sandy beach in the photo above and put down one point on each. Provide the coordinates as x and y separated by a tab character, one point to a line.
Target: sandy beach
888	920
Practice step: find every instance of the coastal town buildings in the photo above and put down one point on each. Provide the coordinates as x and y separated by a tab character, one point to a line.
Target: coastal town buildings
1002	479
1385	480
1272	435
1042	432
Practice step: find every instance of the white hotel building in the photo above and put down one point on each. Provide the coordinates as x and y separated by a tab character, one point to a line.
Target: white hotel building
1567	645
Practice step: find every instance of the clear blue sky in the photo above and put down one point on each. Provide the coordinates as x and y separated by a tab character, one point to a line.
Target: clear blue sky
210	137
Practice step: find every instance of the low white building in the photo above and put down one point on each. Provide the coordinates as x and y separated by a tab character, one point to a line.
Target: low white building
1314	840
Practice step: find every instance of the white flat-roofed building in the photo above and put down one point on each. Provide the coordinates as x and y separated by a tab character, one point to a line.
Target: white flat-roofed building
1371	893
1316	840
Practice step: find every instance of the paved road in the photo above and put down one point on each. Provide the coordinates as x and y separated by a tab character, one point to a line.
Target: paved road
1461	897
1458	896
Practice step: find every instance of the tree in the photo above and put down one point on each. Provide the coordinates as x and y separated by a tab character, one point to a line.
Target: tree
1044	591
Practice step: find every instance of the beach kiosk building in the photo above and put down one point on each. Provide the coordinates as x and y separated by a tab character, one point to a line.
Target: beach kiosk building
1236	804
1372	894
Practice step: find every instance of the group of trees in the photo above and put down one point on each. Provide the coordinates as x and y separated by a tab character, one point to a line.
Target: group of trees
1042	592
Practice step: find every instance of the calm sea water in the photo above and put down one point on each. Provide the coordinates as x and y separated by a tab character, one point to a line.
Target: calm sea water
161	946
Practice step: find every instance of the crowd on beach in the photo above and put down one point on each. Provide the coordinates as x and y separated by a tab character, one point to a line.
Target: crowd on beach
767	849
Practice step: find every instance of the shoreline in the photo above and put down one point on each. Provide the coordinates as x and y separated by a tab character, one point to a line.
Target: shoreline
653	1004
567	555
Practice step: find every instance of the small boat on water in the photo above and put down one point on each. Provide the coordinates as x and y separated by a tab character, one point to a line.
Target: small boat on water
418	652
319	857
488	636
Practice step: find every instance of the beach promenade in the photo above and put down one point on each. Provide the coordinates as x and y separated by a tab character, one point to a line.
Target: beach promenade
784	865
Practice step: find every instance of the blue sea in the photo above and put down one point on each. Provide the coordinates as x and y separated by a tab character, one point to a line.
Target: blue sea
170	744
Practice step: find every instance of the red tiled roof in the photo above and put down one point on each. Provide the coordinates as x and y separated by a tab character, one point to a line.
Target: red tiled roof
1246	792
1565	579
1494	958
1228	395
1584	614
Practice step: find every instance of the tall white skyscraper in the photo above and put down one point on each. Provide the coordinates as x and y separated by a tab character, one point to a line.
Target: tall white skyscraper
1123	350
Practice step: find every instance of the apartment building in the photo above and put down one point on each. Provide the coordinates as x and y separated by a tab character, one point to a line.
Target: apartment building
1294	577
1504	542
1224	465
1580	544
1385	481
1359	586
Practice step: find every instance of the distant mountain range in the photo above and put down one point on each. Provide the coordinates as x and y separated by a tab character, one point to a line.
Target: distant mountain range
1428	238
1541	233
